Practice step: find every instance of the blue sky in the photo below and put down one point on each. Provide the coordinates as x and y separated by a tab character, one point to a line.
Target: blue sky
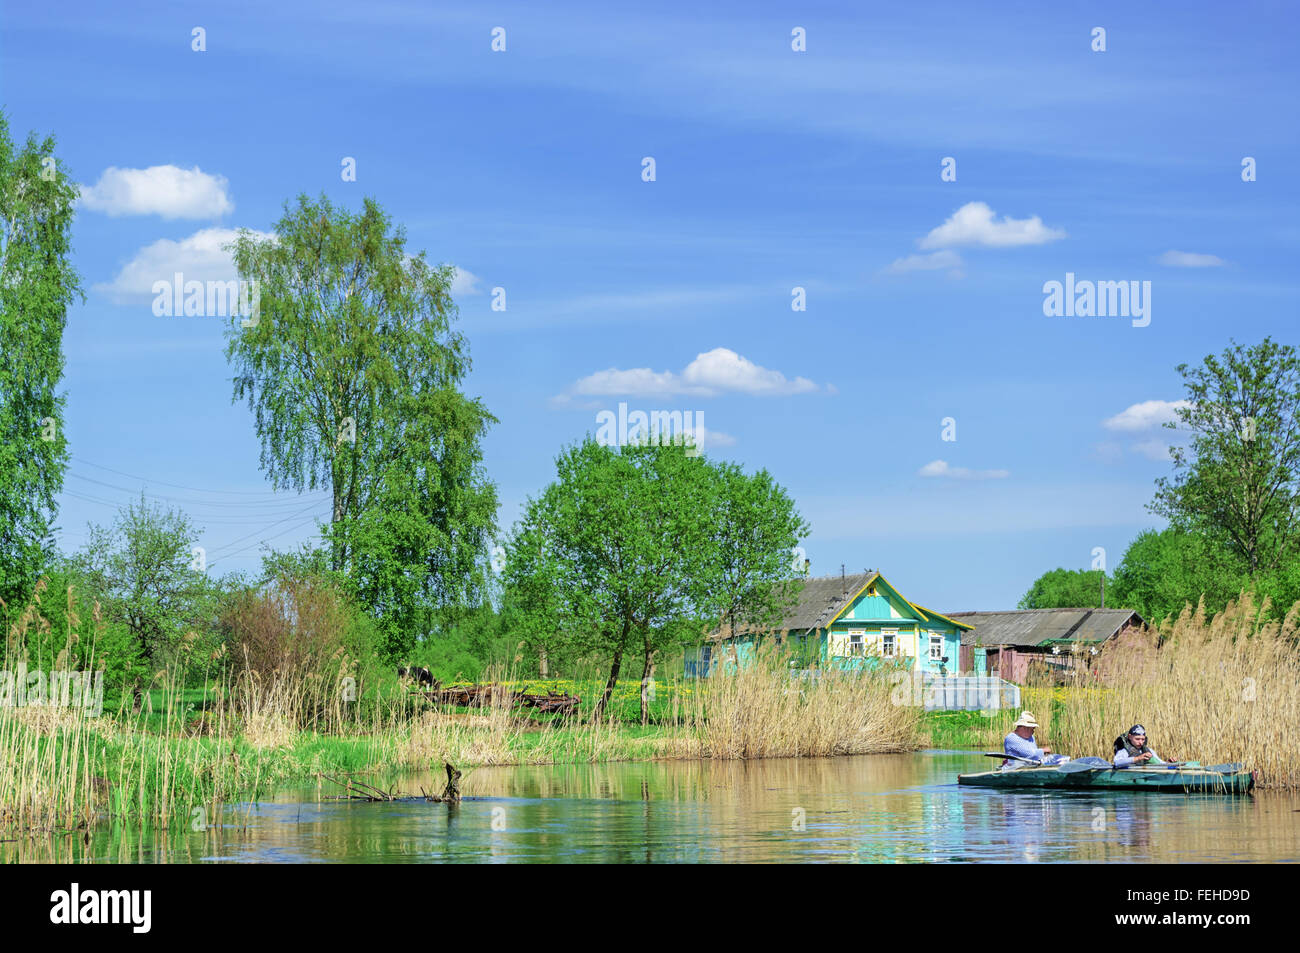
774	169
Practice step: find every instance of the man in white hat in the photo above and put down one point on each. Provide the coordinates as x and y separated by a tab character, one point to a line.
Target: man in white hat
1020	742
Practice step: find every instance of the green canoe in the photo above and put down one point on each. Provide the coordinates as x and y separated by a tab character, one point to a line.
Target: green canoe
1154	778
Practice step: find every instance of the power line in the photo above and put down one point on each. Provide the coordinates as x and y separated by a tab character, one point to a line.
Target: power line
204	518
268	539
178	486
265	528
283	501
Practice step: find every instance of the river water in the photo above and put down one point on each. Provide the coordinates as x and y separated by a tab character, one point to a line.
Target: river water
869	809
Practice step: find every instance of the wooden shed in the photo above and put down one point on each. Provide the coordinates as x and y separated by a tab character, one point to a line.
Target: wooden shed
1009	643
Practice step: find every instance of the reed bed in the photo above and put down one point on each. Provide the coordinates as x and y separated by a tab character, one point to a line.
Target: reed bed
763	709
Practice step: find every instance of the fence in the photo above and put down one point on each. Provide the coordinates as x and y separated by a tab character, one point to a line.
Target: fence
966	693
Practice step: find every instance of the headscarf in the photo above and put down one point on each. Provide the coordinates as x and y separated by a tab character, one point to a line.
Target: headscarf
1123	742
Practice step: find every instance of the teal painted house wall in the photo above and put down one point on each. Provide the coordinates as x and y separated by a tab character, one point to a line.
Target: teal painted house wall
874	613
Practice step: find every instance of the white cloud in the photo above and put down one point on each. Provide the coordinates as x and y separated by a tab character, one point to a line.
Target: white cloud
465	283
935	261
1188	259
719	371
723	370
940	468
165	190
640	382
199	257
974	224
1145	416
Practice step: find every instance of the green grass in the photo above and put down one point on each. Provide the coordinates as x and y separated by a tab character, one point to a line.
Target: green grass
956	729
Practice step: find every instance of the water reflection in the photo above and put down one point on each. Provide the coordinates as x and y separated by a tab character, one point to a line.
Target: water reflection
871	809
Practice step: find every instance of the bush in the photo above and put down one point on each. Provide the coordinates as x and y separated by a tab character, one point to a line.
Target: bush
300	650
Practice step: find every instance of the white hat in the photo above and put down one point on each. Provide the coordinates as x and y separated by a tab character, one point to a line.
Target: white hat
1026	720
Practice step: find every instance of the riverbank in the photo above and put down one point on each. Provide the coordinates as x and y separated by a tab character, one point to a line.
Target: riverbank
191	748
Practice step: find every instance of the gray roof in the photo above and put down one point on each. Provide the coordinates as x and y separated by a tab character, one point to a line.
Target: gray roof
1030	627
819	601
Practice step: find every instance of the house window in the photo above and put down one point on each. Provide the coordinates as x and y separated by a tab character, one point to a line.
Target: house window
889	643
936	647
856	641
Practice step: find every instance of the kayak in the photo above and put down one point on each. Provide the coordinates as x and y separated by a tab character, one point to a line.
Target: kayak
1180	779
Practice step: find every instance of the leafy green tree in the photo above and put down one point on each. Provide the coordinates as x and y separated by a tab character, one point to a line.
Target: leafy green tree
1163	571
1239	480
631	548
37	286
618	538
1066	589
142	568
353	372
754	527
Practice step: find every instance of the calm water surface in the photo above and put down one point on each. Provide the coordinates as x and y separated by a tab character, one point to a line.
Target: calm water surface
870	809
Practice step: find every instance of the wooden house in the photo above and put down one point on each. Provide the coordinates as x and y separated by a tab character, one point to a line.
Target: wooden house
848	621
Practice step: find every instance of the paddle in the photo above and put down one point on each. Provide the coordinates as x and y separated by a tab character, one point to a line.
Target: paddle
1010	757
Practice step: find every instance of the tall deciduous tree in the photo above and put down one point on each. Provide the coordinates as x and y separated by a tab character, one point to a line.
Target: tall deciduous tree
631	545
353	371
1239	479
37	286
1164	570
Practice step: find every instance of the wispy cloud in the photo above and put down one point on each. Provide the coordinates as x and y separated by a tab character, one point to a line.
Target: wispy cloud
1157	450
975	224
941	468
935	261
165	190
465	283
1188	259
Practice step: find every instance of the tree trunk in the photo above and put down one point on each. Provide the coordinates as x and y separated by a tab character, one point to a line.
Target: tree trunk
543	664
609	686
647	676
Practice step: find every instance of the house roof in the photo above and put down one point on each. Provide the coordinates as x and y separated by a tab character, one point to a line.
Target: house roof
824	598
1033	627
820	599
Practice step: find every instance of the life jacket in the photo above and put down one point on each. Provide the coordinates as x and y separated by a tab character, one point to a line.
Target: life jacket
1123	742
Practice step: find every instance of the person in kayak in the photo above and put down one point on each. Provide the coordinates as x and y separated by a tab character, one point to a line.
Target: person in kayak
1132	748
1020	742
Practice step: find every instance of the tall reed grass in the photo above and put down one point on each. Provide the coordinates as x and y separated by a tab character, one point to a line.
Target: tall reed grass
1216	690
764	709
